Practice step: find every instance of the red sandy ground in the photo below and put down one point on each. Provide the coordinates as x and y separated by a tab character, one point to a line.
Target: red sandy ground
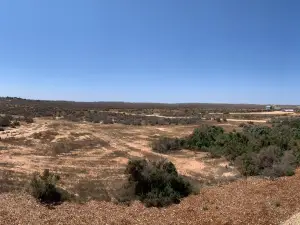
253	201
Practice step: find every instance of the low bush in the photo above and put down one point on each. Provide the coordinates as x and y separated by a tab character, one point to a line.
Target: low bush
15	123
157	183
5	121
28	119
165	144
43	188
204	137
61	147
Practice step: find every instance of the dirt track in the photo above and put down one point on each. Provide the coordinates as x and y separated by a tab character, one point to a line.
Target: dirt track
266	113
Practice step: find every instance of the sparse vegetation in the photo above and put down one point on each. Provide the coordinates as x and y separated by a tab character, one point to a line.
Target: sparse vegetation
95	173
67	145
256	150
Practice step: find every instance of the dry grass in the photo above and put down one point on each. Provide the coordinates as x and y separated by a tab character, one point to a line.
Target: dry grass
45	136
11	181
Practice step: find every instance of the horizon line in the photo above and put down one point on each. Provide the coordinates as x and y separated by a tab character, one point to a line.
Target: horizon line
138	102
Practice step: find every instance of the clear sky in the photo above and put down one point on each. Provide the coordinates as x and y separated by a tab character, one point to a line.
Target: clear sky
234	51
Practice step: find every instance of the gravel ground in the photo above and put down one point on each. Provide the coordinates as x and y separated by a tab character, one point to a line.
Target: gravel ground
252	201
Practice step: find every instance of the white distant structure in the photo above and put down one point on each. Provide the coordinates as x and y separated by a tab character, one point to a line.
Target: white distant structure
288	110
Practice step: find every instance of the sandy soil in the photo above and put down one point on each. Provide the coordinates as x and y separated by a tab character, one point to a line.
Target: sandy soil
103	153
294	220
252	201
242	120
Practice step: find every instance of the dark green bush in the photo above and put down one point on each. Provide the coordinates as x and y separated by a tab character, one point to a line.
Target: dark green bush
43	188
204	137
157	183
5	121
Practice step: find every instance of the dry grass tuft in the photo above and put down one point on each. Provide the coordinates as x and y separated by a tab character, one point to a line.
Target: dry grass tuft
67	145
45	136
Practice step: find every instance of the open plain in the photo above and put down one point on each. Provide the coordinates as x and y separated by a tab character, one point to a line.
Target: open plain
91	157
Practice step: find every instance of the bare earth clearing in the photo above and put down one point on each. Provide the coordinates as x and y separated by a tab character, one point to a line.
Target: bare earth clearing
105	153
96	167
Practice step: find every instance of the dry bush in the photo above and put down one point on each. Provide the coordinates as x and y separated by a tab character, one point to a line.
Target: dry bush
63	146
165	144
28	119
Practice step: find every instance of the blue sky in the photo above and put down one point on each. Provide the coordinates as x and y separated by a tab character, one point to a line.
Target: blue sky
234	51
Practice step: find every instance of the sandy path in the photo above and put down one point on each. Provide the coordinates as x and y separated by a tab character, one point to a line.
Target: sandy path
294	220
240	120
264	113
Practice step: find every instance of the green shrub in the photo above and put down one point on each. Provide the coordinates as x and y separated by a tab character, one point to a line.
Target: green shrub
157	183
204	137
43	188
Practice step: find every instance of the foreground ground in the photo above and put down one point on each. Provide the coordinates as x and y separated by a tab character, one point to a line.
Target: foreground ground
91	159
240	202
